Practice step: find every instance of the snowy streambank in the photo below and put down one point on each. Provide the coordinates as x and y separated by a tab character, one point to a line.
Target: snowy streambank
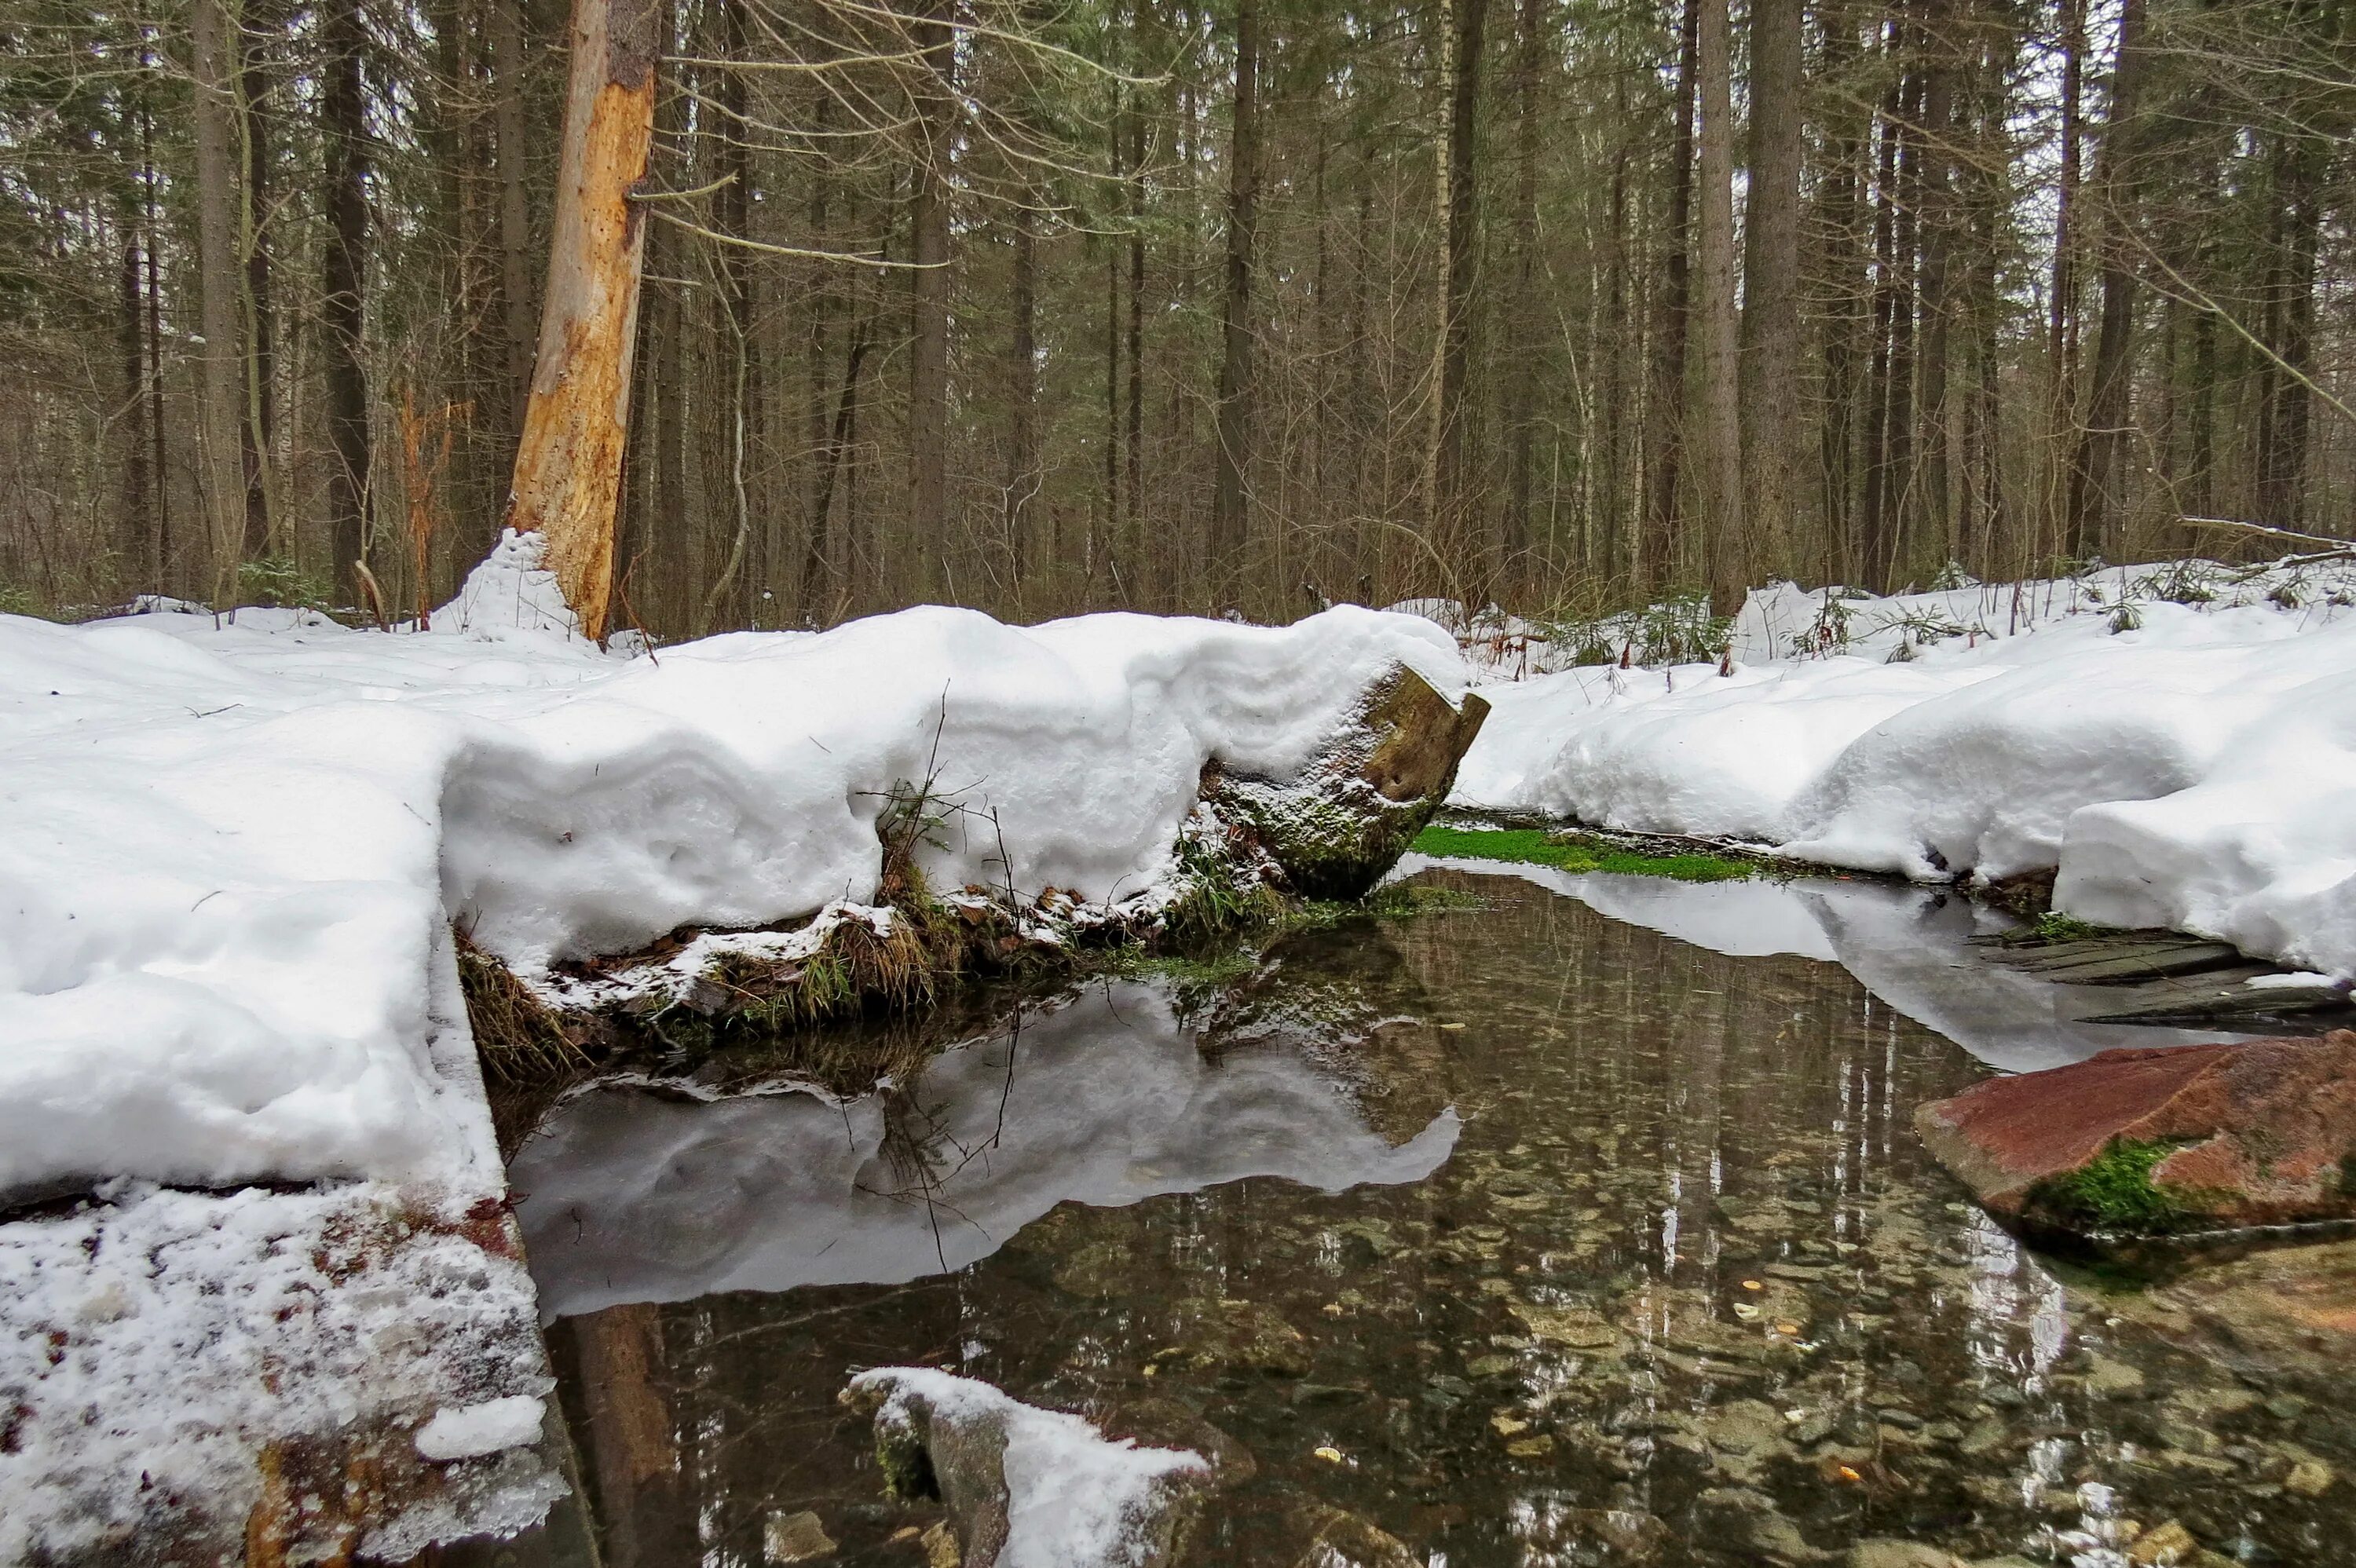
2183	765
232	851
232	855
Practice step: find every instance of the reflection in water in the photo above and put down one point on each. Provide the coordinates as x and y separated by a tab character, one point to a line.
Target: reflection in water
1676	1284
634	1194
1909	946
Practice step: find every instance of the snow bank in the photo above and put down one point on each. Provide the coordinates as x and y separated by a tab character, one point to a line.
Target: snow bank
2179	763
232	848
1075	1499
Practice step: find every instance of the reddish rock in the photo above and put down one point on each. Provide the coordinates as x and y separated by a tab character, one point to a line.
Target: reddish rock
2262	1133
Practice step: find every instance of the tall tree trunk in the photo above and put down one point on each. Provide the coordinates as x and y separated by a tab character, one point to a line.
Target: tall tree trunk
507	35
1023	368
1136	433
1228	497
159	541
1846	283
733	207
1463	26
1928	483
1717	470
137	524
928	355
220	289
342	283
1528	313
2285	413
1665	416
258	21
568	471
1772	394
2096	513
2062	302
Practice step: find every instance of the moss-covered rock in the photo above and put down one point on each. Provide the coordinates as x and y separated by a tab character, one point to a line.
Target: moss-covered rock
1336	826
2160	1142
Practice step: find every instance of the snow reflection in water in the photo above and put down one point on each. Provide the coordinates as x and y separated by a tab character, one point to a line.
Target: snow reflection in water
1642	1263
635	1194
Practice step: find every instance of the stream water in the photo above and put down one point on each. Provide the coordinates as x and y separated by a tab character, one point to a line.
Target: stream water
1516	1234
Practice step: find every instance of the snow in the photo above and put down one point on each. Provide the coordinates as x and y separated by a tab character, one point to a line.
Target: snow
645	1194
470	1431
2180	765
153	1343
234	845
1075	1499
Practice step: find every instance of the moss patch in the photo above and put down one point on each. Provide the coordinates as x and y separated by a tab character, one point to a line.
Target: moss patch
2115	1191
2055	926
1576	852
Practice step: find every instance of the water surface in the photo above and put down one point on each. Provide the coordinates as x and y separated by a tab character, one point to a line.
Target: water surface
1577	1243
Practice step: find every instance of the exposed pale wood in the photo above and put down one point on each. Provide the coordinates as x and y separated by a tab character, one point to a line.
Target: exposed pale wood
568	470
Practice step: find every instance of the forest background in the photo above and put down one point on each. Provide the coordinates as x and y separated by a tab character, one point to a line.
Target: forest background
1564	304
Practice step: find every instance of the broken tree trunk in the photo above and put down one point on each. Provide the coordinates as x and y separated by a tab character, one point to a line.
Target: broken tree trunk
568	470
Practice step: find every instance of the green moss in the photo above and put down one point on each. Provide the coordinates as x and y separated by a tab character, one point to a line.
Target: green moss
2348	1174
2055	926
1402	901
1186	969
908	1468
2115	1191
1577	852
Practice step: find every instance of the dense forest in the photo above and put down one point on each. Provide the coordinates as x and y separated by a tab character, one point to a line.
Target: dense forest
1565	304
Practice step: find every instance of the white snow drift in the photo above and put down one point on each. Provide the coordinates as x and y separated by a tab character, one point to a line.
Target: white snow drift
2185	764
233	850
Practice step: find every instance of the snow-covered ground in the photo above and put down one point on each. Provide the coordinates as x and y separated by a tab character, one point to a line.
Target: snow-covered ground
2182	763
233	851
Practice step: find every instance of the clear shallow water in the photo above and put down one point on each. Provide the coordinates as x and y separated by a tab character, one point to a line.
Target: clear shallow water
1579	1244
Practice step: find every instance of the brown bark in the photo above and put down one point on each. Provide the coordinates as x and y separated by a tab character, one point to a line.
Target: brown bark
340	293
1843	287
2285	403
1665	416
257	20
137	524
1022	368
1464	23
506	38
928	353
1717	449
1513	539
568	468
2095	503
1236	390
1770	283
219	290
